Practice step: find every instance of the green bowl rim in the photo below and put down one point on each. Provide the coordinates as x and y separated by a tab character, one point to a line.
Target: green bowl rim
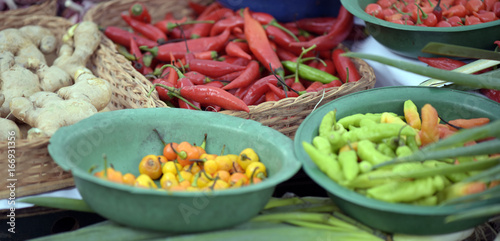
358	199
290	163
354	8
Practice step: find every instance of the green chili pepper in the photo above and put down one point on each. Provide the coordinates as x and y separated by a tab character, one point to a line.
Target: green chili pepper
366	122
394	142
404	151
426	201
336	140
322	144
408	191
365	166
378	132
364	180
368	152
486	147
412	143
386	149
309	73
327	123
328	164
353	120
349	163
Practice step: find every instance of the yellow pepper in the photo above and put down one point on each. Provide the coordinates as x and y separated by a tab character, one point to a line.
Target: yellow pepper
256	169
246	157
145	181
411	114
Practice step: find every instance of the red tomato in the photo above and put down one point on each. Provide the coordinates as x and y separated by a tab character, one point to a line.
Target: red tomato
374	10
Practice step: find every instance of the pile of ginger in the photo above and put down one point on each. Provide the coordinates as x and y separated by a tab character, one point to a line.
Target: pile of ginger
40	97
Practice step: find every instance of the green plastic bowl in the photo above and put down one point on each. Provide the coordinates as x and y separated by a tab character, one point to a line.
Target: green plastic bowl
385	216
409	40
125	136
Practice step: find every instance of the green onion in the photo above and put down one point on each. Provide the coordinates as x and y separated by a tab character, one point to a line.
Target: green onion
483	212
58	202
476	81
482	148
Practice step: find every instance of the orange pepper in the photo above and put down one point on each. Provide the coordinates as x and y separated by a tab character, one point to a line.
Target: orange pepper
411	115
185	152
429	132
151	166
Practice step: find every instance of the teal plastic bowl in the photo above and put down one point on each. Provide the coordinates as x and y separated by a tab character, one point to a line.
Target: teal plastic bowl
125	136
395	217
408	40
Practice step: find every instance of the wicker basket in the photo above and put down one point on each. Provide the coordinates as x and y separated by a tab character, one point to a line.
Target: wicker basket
284	115
35	170
45	8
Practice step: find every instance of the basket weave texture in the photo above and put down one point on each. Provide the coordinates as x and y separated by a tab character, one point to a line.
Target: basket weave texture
45	8
35	170
284	115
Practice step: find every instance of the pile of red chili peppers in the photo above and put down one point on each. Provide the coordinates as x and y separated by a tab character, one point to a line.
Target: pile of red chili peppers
434	13
220	59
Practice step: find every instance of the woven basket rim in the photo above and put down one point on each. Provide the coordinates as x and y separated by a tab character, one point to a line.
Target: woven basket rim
45	8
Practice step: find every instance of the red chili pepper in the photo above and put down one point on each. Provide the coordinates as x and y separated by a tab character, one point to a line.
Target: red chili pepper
212	95
148	30
163	93
184	82
472	20
298	86
197	78
213	68
210	8
486	16
271	96
318	25
496	9
491	94
139	12
286	55
455	10
258	88
240	92
334	83
315	86
442	62
227	23
250	74
259	44
202	29
166	25
234	60
346	69
282	39
215	83
231	76
122	37
215	43
196	7
234	49
338	32
280	92
438	11
135	51
329	66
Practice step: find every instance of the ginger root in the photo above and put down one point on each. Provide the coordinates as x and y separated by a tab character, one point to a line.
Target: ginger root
9	131
76	52
40	37
48	112
82	41
17	82
53	78
6	61
26	52
89	88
